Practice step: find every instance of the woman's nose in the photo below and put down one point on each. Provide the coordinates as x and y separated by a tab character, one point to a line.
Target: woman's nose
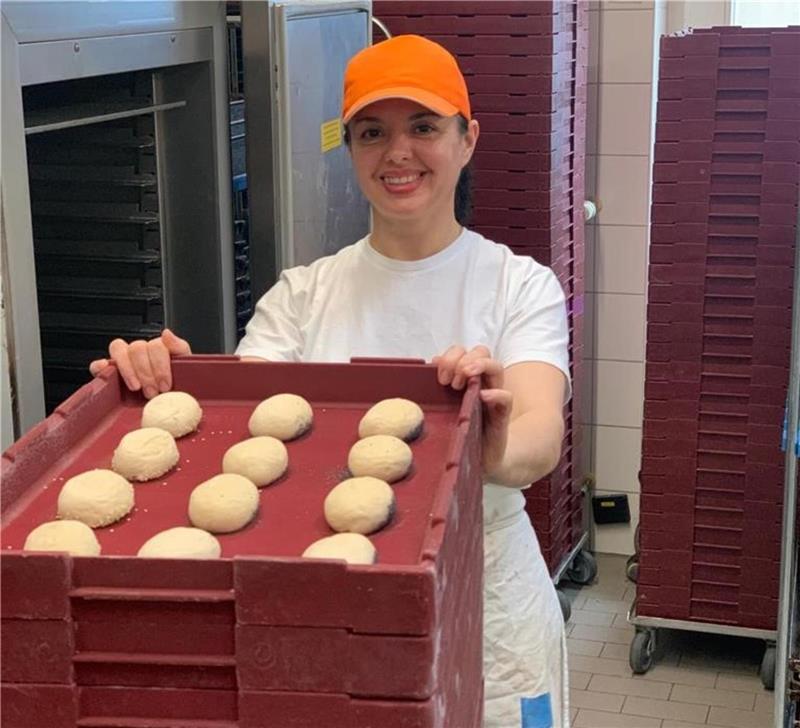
399	149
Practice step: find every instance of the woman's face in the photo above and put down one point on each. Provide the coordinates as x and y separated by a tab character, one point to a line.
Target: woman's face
408	159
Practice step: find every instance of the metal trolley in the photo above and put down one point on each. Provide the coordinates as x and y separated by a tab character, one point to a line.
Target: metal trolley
787	668
579	565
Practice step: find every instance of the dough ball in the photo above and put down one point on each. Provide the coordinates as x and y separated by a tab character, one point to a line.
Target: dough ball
381	456
74	537
352	547
223	503
399	417
284	416
259	459
360	505
96	498
181	543
176	412
145	454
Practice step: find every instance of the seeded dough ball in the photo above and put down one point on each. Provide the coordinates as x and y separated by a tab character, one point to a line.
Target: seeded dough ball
360	505
259	459
96	498
285	416
223	504
399	417
145	454
351	547
181	543
176	412
74	537
381	456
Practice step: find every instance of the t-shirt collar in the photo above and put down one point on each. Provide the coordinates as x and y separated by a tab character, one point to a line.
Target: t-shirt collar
432	261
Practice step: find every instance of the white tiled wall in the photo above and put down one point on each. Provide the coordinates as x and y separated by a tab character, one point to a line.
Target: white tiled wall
619	143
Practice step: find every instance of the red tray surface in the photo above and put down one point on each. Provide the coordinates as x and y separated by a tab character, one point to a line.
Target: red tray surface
290	514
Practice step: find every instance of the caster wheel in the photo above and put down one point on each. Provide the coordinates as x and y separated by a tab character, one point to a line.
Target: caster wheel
767	670
632	569
583	569
565	604
643	649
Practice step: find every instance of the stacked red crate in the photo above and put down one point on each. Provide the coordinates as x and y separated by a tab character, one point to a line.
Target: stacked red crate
723	225
525	65
258	637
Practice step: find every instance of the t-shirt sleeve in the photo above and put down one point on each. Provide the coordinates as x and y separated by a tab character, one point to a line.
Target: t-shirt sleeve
536	322
274	332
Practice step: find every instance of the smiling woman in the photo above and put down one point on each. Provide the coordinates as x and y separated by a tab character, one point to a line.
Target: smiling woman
408	161
463	190
421	285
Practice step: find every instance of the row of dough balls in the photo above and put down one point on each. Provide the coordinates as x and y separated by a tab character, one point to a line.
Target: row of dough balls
283	416
229	501
366	503
77	539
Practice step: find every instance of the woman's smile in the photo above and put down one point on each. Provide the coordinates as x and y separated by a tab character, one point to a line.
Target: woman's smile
402	183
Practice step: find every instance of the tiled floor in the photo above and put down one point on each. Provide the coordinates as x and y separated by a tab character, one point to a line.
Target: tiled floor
699	680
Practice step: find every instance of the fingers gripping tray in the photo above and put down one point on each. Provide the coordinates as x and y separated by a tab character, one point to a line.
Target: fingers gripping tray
259	638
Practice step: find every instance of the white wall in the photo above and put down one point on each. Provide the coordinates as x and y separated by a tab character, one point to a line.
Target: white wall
619	159
697	13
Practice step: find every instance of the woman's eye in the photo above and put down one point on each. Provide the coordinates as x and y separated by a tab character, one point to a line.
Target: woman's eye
369	134
424	128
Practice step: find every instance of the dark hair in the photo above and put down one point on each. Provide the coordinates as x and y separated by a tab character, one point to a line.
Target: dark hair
463	196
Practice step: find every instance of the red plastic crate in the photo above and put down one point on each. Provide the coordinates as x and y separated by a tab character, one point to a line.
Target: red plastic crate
246	621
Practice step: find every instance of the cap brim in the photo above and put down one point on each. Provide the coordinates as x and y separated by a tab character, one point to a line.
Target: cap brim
427	99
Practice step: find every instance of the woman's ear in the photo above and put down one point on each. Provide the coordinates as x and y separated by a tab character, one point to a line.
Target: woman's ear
471	139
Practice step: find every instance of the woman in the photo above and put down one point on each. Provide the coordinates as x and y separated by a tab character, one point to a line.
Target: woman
421	285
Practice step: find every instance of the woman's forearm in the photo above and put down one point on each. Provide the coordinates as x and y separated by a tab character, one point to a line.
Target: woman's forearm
532	451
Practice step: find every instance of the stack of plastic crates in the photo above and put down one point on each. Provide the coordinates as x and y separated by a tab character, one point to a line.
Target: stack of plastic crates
525	66
724	220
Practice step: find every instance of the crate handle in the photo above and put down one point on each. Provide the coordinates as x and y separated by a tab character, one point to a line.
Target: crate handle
207	357
380	360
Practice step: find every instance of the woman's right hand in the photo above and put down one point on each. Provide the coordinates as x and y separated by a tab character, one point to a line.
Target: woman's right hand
143	364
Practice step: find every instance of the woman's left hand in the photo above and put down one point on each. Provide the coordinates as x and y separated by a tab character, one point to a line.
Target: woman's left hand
455	367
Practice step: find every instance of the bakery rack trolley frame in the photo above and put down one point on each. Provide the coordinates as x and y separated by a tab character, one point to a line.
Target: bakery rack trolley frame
787	665
579	565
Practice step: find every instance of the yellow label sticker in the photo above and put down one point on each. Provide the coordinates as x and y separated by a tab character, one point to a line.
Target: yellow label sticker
330	135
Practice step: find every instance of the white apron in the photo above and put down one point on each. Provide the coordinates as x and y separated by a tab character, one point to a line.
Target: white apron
524	645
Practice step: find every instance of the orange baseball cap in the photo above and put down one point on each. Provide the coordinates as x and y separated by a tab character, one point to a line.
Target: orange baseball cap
405	67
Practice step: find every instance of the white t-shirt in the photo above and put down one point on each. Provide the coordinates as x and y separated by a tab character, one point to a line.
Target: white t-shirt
359	303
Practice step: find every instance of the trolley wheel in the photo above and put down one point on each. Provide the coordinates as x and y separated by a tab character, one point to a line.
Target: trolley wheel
565	604
632	568
583	569
643	650
767	670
